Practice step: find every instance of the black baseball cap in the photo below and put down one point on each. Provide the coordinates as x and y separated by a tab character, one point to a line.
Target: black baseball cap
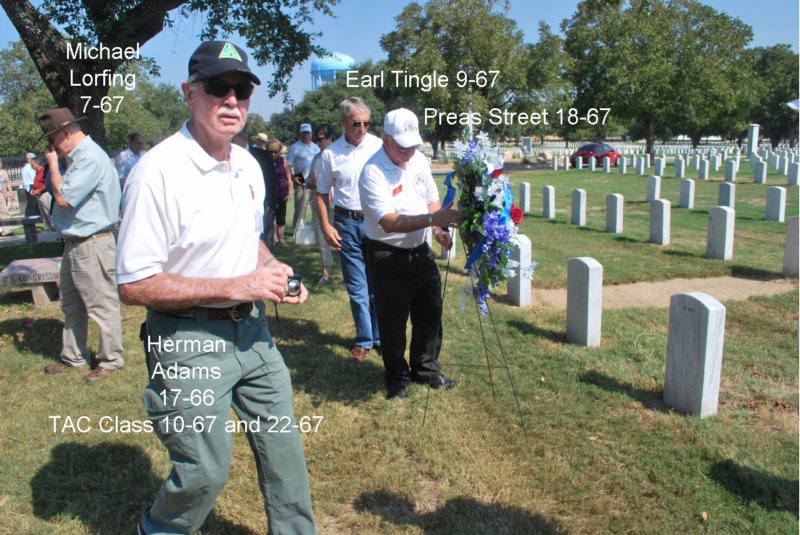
213	58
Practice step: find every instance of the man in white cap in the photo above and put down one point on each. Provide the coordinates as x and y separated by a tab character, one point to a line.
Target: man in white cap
299	157
401	203
28	177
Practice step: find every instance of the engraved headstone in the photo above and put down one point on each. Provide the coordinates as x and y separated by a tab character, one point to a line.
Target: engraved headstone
519	288
719	242
584	301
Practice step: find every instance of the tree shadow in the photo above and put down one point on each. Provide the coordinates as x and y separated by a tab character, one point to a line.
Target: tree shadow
524	327
321	372
626	239
35	336
458	516
747	272
650	399
680	254
756	486
106	487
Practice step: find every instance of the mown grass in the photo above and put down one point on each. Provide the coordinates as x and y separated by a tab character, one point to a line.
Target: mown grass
603	454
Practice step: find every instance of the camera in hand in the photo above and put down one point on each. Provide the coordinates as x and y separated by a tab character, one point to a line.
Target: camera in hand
300	178
294	282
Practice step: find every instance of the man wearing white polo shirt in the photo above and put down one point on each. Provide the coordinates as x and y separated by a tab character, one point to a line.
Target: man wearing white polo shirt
300	155
339	168
401	203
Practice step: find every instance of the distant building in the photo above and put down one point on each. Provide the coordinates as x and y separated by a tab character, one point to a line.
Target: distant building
324	70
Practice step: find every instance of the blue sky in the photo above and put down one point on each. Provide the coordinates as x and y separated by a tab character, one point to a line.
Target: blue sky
358	26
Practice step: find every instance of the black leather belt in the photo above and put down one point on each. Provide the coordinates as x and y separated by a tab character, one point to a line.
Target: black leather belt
381	246
353	214
235	313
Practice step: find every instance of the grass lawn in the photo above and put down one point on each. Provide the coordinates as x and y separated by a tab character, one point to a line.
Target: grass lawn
603	453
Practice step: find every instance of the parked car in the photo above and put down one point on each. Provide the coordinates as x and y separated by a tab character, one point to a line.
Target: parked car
598	151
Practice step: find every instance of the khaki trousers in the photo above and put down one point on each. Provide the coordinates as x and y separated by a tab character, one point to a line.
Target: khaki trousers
89	290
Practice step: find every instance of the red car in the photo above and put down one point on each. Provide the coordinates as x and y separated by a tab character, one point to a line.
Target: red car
598	151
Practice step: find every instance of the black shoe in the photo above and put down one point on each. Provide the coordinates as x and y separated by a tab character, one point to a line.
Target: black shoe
437	381
397	392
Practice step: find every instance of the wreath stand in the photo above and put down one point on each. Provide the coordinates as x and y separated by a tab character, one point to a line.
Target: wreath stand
493	360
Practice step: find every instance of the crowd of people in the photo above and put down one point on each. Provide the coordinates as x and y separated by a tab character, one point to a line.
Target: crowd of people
192	240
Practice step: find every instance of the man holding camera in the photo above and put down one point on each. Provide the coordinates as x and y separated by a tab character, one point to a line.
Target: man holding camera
190	251
300	155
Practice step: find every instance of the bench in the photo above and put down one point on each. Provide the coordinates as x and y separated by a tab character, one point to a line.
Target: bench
28	222
41	274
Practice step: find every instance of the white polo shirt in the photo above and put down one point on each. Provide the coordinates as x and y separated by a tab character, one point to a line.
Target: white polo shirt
340	166
189	214
300	156
388	189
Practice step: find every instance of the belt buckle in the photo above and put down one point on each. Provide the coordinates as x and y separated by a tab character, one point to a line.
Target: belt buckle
235	314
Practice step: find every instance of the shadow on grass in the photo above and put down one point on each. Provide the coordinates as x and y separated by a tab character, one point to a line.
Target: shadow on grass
37	338
626	239
105	486
768	491
559	337
321	372
462	516
680	254
747	272
650	399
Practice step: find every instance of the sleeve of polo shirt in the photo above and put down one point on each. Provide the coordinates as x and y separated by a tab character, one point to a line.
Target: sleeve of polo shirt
325	173
143	243
374	193
80	181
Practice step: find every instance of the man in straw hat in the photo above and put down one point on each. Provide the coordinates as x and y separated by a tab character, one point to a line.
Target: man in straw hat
190	251
86	208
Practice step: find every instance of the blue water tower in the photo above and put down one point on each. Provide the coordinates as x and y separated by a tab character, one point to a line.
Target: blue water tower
324	70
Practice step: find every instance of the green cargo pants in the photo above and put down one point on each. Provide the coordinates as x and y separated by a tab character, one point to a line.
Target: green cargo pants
199	369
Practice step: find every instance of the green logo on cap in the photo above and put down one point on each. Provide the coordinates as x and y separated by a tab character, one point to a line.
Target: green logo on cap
229	51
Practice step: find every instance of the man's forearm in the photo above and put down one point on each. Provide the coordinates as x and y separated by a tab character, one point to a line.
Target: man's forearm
167	291
57	181
322	209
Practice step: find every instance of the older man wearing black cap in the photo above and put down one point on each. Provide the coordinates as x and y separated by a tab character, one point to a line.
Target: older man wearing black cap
86	208
190	251
401	204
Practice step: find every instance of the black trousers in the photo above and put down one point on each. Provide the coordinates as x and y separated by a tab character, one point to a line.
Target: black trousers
406	282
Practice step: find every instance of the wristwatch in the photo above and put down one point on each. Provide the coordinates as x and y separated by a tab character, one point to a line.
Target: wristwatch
430	220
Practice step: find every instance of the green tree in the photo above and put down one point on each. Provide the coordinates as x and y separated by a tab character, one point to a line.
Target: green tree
273	30
667	65
776	67
464	40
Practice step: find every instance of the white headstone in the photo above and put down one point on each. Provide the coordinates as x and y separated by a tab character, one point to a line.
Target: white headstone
661	165
687	194
752	138
702	173
449	254
640	166
716	162
592	164
727	195
719	241
519	288
653	188
578	207
794	169
566	163
790	250
578	163
760	172
659	222
614	213
694	353
623	165
548	202
776	204
606	164
584	301
555	163
680	167
525	197
646	160
783	165
730	171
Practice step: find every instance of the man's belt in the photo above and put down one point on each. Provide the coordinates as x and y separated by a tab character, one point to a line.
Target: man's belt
96	235
352	214
381	246
235	313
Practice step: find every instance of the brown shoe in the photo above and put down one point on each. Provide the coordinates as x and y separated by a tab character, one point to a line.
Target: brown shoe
56	368
98	374
359	354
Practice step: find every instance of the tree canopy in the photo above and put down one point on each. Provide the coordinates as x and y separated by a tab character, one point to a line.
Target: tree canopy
273	30
776	67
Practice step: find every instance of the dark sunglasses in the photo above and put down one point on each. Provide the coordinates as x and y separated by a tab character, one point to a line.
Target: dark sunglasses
320	139
221	88
359	124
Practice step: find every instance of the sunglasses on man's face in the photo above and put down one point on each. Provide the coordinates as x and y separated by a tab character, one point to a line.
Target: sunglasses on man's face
221	88
320	139
359	124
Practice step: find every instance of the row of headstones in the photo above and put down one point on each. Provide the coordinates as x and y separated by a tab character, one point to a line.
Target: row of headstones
701	165
694	344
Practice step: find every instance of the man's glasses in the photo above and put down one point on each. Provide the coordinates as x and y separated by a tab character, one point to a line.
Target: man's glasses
359	124
221	88
320	139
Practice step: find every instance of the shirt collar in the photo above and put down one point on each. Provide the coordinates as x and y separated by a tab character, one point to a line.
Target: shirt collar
203	160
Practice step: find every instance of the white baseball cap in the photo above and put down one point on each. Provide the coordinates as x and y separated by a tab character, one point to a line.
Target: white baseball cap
403	126
30	156
305	127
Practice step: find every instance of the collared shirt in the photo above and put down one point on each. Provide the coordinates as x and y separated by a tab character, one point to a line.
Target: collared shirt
300	156
92	190
28	176
388	189
187	213
125	161
340	167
